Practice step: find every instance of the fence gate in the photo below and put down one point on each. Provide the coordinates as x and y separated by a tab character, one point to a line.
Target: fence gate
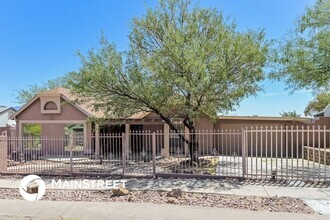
287	153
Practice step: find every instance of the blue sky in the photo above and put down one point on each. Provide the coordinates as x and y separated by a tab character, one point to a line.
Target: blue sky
39	38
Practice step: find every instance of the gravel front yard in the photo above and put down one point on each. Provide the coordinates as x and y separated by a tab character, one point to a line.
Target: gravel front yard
272	204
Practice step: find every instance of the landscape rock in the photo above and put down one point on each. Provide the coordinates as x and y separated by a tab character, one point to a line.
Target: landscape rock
171	201
176	193
120	191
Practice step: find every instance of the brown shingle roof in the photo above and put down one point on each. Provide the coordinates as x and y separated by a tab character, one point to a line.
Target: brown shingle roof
264	118
86	107
139	115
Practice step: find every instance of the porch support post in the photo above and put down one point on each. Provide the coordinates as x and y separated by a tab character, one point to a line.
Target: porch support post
127	134
87	138
19	148
20	129
187	136
97	140
166	149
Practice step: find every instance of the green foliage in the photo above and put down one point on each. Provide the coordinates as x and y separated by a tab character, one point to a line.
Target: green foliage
32	129
318	104
183	61
290	114
303	60
24	95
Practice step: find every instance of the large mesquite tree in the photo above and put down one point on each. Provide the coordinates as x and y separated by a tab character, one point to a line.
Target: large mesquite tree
183	61
303	60
25	95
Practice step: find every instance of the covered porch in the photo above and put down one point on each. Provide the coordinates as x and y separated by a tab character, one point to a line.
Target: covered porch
110	136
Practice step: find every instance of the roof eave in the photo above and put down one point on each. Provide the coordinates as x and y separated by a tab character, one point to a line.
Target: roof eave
13	117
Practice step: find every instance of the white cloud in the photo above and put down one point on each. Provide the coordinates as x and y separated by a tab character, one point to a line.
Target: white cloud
270	94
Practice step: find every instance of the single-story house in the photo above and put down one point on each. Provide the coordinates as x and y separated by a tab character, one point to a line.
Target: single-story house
57	115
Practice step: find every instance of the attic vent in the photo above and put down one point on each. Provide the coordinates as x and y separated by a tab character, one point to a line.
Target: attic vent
50	106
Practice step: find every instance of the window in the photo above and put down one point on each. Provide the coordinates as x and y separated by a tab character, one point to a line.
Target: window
32	130
31	133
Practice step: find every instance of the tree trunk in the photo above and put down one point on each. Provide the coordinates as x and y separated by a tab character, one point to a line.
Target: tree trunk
192	142
193	146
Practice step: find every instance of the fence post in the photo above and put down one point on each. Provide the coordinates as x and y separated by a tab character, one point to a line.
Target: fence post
97	142
166	149
187	136
154	154
71	145
124	147
243	153
3	152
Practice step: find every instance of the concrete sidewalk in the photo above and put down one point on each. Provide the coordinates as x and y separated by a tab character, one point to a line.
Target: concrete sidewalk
317	198
19	209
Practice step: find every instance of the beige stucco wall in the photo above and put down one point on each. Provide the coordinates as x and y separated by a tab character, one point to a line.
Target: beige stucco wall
54	144
323	121
204	123
68	112
52	125
283	141
153	127
52	130
32	114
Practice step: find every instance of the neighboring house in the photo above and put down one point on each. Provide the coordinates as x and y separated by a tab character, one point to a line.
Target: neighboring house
324	113
57	115
5	123
5	114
